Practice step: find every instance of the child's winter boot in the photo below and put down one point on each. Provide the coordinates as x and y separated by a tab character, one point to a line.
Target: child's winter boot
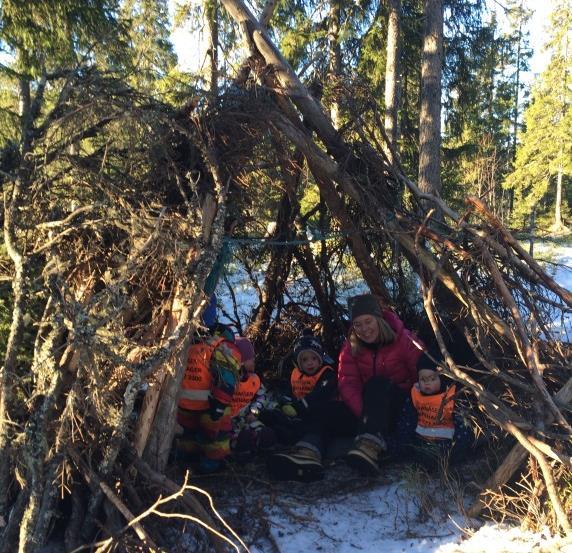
302	463
366	453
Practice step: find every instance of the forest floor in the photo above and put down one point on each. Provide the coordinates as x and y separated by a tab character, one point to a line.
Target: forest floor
404	509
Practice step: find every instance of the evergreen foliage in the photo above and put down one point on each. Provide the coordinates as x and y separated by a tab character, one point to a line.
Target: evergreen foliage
544	153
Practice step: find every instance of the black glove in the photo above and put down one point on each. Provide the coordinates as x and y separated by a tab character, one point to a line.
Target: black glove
216	408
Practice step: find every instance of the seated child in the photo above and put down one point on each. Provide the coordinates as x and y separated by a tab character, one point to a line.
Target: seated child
312	383
249	434
204	400
440	432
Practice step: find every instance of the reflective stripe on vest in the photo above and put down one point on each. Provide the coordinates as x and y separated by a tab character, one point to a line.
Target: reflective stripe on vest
302	384
245	391
193	395
428	408
196	384
435	433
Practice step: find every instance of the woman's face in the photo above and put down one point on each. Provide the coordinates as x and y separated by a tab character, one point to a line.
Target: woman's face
366	328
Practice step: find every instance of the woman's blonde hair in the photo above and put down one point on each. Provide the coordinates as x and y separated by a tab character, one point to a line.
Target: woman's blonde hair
386	336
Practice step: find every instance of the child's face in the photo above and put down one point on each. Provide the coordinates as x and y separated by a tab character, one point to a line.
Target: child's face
429	382
249	366
309	362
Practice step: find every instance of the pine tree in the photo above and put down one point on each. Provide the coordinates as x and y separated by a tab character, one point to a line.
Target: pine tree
149	37
479	116
544	155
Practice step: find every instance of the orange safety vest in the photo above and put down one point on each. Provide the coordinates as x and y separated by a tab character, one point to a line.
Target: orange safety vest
428	408
245	391
196	385
302	384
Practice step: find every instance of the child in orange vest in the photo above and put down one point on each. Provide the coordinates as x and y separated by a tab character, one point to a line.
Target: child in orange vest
313	385
439	430
312	382
249	434
205	397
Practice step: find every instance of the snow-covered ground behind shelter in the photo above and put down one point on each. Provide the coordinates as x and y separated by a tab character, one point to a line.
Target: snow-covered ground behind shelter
557	261
555	258
391	517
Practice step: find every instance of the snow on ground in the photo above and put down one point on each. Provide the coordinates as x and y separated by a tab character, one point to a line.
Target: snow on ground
563	273
391	518
557	261
494	538
382	519
403	510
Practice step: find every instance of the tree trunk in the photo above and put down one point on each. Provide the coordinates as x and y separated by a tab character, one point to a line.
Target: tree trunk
558	202
430	115
532	230
19	291
392	75
24	111
335	55
40	471
515	112
280	255
274	286
161	433
211	10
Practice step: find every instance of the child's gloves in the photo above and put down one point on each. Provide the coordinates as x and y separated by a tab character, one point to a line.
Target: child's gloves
289	410
216	408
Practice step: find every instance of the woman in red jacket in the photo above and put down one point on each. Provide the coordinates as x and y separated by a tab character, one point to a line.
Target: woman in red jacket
376	371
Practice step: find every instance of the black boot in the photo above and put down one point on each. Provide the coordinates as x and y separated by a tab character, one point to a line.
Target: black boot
366	454
301	463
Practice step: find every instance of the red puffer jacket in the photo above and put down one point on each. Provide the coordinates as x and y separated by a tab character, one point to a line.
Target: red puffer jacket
396	361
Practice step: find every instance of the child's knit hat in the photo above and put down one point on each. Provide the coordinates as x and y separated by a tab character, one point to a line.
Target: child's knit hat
364	304
427	364
308	342
245	347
